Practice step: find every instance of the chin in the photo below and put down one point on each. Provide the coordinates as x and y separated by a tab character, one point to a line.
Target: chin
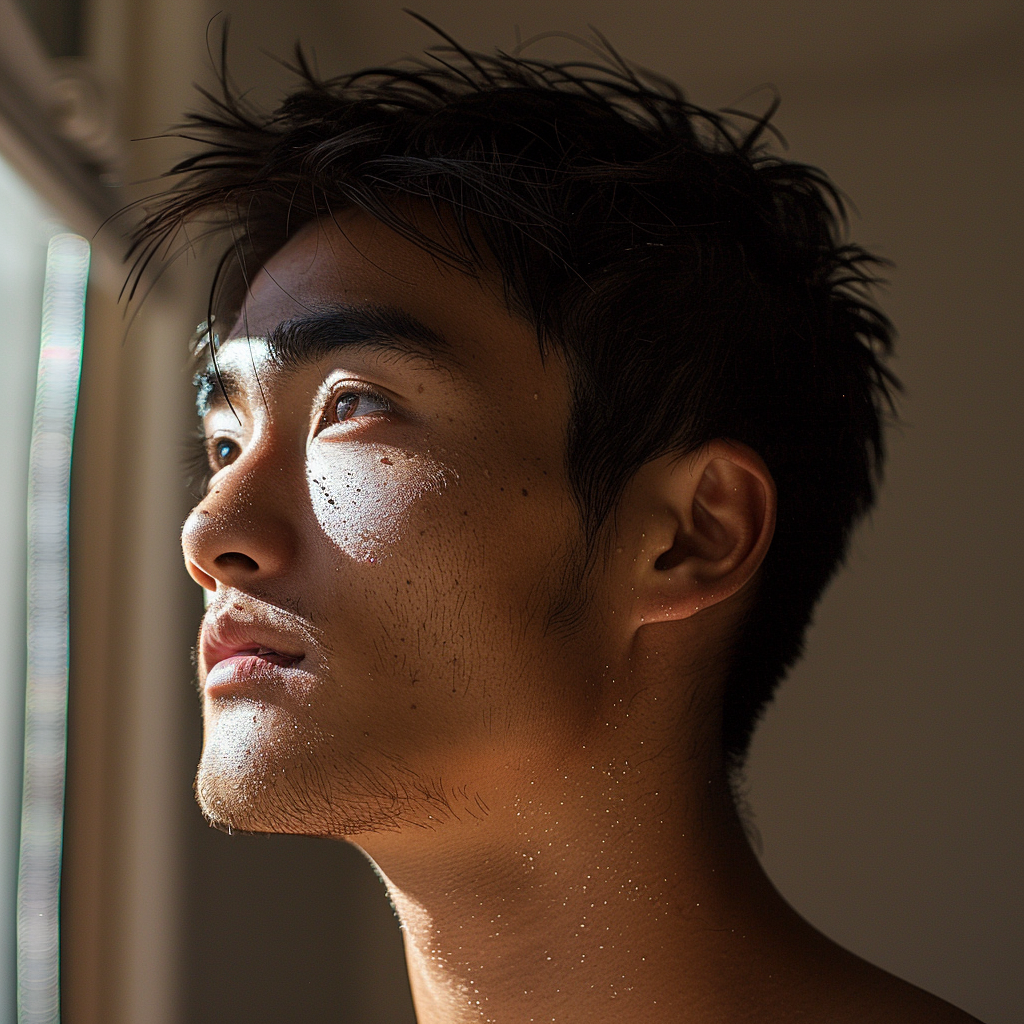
252	759
258	774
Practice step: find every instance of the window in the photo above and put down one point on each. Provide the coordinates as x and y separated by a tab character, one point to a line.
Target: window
25	228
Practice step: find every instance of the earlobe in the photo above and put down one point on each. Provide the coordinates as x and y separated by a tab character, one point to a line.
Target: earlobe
708	530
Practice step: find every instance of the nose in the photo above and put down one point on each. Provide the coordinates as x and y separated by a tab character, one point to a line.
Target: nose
243	532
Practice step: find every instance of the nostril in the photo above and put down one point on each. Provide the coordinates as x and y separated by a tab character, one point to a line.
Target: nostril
236	560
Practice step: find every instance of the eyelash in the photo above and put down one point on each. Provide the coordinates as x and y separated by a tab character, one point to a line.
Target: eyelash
199	462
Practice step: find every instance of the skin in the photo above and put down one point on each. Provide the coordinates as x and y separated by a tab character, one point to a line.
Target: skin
387	659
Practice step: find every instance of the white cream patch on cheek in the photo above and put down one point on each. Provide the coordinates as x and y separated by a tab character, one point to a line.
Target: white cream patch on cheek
363	504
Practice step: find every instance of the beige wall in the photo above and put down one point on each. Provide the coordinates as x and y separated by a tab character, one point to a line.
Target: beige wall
886	782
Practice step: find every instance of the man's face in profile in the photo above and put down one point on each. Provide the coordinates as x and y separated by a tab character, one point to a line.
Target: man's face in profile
507	620
391	536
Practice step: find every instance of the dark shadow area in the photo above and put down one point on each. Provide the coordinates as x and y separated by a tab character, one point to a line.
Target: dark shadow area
286	928
59	24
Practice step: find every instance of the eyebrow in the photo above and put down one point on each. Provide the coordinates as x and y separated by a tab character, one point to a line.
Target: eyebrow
322	332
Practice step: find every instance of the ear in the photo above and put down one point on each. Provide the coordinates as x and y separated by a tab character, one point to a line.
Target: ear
698	527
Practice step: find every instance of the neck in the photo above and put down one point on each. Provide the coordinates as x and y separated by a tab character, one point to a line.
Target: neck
601	886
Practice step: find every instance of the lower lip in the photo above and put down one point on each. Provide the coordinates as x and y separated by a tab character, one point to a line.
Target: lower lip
243	672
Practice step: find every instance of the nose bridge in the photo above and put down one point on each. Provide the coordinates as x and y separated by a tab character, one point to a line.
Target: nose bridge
245	527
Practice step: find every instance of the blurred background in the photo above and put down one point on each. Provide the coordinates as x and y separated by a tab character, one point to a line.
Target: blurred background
885	784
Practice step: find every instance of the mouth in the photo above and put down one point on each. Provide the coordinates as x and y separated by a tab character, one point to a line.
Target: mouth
245	670
269	655
238	655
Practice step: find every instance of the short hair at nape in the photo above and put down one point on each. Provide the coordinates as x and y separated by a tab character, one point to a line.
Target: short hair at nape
699	285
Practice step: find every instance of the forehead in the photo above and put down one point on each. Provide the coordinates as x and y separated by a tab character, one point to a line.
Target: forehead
353	259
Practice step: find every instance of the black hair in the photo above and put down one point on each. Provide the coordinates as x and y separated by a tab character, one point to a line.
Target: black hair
699	285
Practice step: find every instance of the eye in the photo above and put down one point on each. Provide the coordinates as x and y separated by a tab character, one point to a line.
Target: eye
224	451
221	452
349	405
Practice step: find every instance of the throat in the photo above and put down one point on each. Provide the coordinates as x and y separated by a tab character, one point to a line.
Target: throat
560	916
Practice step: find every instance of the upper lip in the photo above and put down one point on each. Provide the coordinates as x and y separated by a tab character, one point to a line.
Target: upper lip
234	631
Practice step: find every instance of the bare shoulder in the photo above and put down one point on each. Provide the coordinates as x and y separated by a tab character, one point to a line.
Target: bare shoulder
857	992
801	975
847	1001
911	1005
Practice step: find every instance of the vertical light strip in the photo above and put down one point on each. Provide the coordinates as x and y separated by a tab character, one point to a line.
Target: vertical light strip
46	694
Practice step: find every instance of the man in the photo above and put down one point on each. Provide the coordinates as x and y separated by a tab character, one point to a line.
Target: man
544	407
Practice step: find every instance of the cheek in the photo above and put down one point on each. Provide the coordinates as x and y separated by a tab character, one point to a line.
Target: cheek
363	499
